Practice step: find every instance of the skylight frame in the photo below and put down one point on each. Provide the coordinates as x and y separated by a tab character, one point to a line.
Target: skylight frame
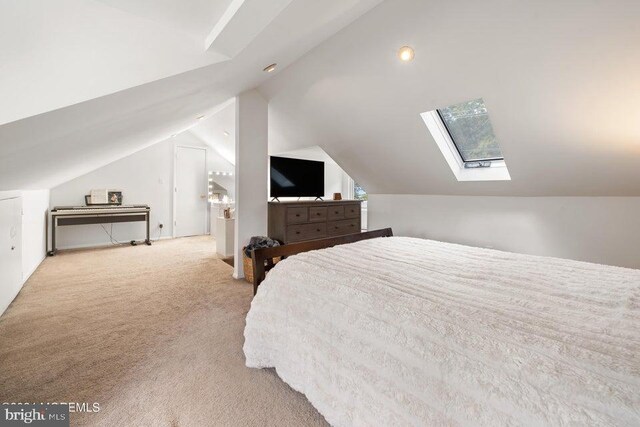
496	172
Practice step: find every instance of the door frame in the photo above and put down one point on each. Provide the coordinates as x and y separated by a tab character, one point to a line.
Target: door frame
175	184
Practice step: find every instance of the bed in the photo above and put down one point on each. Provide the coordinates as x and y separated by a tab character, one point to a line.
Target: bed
402	331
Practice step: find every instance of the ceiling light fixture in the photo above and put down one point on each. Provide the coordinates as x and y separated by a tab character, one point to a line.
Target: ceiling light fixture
200	117
225	133
270	68
406	54
174	135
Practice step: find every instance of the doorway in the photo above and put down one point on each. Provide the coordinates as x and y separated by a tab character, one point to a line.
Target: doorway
190	191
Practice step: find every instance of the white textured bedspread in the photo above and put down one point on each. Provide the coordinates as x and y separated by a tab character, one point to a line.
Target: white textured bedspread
403	331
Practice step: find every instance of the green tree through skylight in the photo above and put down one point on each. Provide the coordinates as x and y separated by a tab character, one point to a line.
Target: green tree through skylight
471	131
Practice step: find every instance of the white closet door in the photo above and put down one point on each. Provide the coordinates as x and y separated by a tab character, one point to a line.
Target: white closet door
10	250
190	192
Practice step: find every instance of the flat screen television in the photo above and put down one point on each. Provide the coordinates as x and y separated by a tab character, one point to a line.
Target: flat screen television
296	177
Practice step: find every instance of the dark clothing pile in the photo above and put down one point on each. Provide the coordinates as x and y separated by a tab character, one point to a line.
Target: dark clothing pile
258	242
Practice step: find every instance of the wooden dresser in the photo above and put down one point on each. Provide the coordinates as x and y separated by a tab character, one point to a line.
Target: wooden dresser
299	221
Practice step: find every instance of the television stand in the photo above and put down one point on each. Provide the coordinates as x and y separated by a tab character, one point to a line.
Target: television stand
275	199
318	198
292	221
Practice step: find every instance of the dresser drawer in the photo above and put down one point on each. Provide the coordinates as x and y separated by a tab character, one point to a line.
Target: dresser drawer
335	212
347	226
352	211
317	214
297	233
297	215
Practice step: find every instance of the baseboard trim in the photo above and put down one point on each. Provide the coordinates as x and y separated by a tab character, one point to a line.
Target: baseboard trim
24	281
26	277
3	309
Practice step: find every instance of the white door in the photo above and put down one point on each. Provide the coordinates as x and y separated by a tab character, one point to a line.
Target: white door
10	250
190	202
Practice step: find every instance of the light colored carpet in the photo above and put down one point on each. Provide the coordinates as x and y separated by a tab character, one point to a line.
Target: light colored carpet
153	334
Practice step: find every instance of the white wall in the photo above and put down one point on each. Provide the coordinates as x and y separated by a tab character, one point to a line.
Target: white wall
251	172
31	241
604	230
145	177
335	178
35	211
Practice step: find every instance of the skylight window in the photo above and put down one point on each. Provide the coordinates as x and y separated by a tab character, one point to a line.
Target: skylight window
470	130
465	136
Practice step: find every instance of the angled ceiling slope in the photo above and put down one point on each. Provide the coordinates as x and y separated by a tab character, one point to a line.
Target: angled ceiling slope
195	18
48	149
57	54
561	81
218	131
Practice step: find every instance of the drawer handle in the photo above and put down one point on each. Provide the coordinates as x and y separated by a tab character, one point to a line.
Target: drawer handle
317	229
297	214
336	212
318	213
297	232
336	227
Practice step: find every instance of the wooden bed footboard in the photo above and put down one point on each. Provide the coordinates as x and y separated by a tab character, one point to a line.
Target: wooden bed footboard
262	259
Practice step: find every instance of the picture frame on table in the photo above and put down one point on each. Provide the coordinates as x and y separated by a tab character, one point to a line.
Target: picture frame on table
115	197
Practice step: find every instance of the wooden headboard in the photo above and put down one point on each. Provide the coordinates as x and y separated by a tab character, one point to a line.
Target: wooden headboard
262	259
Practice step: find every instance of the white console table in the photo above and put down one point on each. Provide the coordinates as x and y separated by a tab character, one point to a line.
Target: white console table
224	237
216	210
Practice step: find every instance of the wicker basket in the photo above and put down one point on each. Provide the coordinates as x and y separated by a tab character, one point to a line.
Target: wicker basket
248	266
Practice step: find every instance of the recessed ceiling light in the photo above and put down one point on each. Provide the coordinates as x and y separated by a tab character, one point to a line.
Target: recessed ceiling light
174	135
200	117
225	133
406	53
270	68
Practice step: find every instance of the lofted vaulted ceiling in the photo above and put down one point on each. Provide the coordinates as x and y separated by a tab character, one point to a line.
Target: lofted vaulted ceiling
194	17
58	53
561	81
87	82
